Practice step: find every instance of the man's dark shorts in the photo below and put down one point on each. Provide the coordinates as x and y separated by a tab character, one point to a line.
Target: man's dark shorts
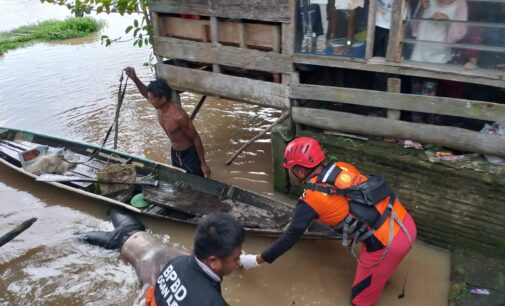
187	160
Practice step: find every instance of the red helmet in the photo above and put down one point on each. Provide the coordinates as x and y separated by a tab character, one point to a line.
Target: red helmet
303	151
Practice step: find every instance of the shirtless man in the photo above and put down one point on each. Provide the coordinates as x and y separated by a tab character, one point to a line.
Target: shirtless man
187	148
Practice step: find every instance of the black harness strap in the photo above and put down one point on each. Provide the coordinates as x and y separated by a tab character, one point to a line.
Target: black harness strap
319	188
328	170
327	176
386	213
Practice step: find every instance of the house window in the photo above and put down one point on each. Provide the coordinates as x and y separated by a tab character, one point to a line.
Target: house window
332	27
467	33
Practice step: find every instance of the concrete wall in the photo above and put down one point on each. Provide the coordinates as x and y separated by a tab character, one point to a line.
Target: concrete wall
454	205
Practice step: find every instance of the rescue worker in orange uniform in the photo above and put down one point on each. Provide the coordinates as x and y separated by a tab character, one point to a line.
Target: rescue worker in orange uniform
361	208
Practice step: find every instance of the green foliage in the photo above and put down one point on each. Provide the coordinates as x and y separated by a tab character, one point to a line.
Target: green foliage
48	30
142	29
457	291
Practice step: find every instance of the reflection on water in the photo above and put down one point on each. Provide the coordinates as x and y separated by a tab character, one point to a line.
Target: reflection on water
69	89
47	264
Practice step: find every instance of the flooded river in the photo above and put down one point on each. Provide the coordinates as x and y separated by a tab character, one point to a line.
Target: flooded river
69	89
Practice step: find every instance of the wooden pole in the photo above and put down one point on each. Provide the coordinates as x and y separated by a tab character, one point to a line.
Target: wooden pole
370	37
120	96
281	118
214	36
18	230
198	106
394	85
395	33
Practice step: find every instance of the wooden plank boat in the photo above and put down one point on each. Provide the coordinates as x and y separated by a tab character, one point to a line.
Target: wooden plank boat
179	196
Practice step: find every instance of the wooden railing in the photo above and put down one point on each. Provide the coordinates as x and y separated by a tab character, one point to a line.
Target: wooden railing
267	47
222	55
227	45
453	137
264	10
267	94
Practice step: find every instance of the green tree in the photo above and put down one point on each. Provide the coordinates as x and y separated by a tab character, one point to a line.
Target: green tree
141	27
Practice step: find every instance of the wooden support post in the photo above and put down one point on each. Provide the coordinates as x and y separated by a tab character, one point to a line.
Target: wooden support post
399	49
276	33
198	106
277	49
158	30
287	38
370	37
289	29
214	35
394	85
295	80
396	32
241	35
279	120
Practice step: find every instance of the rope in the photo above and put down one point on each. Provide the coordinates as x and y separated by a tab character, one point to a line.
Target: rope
402	293
121	94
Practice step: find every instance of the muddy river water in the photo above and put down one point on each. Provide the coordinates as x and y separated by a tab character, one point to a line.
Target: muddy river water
68	89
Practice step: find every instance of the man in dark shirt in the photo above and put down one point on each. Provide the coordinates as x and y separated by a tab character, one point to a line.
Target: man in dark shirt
195	280
168	275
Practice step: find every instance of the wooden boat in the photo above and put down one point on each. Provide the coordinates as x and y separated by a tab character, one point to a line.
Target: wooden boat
178	197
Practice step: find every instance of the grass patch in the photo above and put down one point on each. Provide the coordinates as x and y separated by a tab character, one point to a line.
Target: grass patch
48	30
457	291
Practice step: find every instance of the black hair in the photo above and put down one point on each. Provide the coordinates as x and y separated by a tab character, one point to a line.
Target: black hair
217	235
159	89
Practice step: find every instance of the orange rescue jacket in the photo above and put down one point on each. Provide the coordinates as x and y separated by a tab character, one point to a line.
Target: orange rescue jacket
333	208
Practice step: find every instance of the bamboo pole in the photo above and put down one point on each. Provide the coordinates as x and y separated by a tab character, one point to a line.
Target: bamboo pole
198	106
281	118
15	232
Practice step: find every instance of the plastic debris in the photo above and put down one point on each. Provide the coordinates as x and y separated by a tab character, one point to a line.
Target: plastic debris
496	128
443	154
457	157
411	144
480	291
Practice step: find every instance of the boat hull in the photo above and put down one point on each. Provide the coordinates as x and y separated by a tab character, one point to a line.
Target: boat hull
182	197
